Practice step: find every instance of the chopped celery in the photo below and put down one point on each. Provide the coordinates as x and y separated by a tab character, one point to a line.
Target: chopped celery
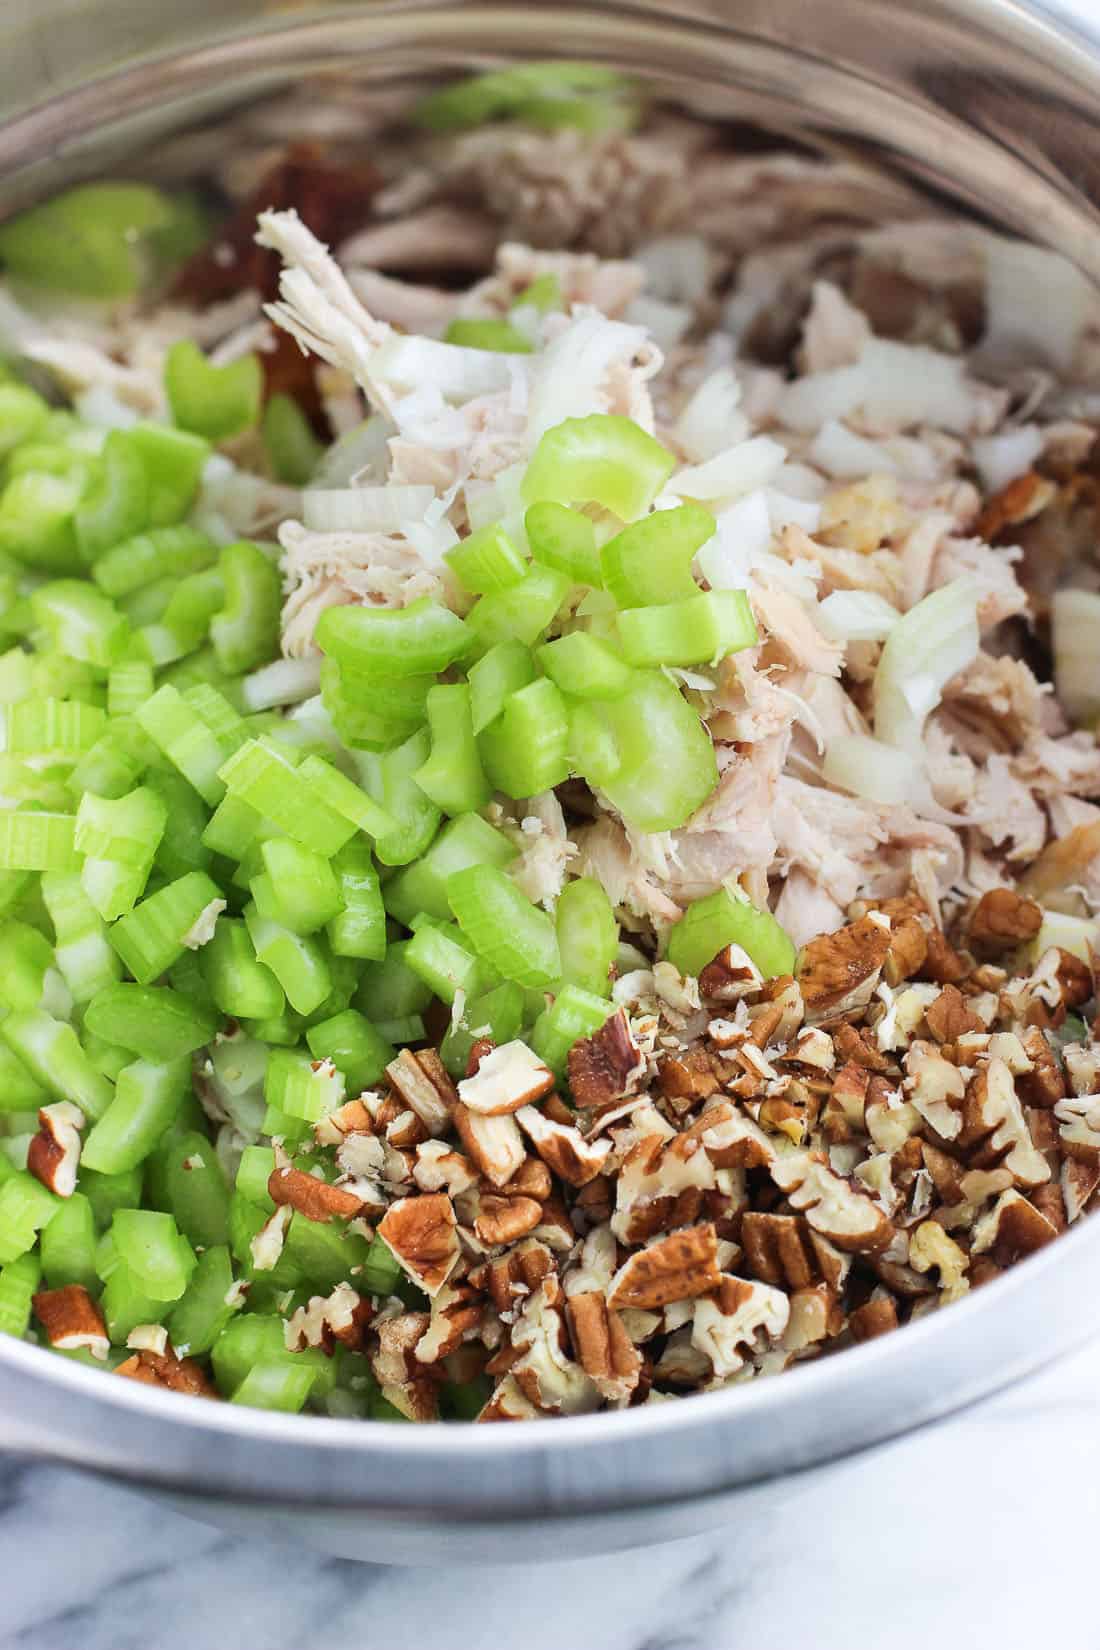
722	919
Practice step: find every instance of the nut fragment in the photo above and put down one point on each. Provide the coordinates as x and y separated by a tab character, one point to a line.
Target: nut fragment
493	1143
1011	1229
839	972
170	1372
875	1317
422	1234
950	1016
603	1347
603	1067
425	1087
507	1078
504	1220
678	1267
54	1152
311	1197
739	1319
509	1403
71	1320
563	1148
340	1316
1003	920
847	1216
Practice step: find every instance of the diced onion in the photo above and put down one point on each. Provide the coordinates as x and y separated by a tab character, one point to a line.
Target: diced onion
848	457
405	361
359	453
1000	458
568	377
1075	625
932	642
867	768
857	616
712	419
892	386
729	474
743	535
282	682
364	509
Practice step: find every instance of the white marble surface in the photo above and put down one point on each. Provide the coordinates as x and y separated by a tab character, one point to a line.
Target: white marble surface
980	1533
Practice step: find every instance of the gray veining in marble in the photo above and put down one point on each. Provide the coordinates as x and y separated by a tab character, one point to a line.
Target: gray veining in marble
974	1533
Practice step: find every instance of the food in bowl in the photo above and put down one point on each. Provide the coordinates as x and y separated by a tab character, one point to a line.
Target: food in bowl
551	853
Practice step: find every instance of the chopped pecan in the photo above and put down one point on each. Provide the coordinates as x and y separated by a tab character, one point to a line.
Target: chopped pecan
845	1110
731	1139
168	1371
1079	1126
815	1315
681	1266
738	1319
311	1197
603	1067
456	1315
660	1185
406	1131
946	1173
494	1144
1044	1084
267	1245
1002	920
994	1118
508	1077
424	1085
731	975
930	1246
54	1152
350	1118
858	1048
687	1075
340	1316
839	972
936	1089
422	1235
545	1372
504	1220
403	1378
563	1148
518	1273
876	1316
439	1168
778	1249
531	1179
604	1349
71	1319
1079	1182
1012	1228
908	950
1048	1200
942	963
509	1403
951	1016
841	1212
1017	501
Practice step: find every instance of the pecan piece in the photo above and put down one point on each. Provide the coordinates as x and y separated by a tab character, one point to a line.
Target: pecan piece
424	1085
508	1077
738	1319
908	950
494	1144
681	1266
1002	920
688	1075
340	1316
603	1067
839	972
549	1377
994	1118
778	1249
841	1212
313	1198
563	1148
1044	1084
509	1403
729	976
502	1220
71	1319
604	1349
1012	1228
857	1047
168	1371
1017	501
942	963
875	1317
54	1152
422	1235
518	1273
950	1016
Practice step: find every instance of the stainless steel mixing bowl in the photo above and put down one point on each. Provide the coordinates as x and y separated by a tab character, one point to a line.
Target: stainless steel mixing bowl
989	103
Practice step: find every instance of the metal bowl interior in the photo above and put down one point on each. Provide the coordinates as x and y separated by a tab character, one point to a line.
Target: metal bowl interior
983	102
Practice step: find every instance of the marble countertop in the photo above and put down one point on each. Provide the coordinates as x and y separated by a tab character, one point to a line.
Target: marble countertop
972	1528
